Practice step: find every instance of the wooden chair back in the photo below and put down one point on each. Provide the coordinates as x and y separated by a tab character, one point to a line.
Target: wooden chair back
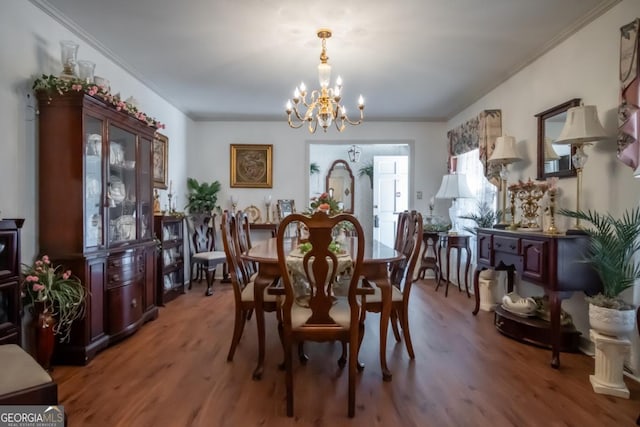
323	317
409	243
239	277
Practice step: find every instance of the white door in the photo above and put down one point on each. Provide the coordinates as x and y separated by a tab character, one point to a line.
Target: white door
390	195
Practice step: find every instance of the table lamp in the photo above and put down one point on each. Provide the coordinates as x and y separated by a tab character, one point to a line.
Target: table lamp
504	154
581	128
454	186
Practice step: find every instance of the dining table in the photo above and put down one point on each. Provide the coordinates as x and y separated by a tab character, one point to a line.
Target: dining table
375	269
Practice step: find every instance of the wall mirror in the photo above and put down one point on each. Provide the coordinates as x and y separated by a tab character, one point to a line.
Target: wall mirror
554	159
339	183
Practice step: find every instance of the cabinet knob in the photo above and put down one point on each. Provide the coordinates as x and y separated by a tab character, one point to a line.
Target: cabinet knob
512	247
115	278
499	323
134	303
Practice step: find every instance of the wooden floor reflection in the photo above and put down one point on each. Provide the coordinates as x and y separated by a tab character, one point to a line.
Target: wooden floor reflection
174	372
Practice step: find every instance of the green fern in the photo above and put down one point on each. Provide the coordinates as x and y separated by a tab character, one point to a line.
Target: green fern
486	217
613	245
201	198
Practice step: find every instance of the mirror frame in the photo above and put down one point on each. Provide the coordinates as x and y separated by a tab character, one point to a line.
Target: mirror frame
554	111
348	169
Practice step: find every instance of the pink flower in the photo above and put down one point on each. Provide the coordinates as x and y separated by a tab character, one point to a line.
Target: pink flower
38	287
32	278
324	196
92	91
76	87
46	260
38	263
324	207
66	274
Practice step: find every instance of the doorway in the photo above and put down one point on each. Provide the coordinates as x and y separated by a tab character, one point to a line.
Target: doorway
390	195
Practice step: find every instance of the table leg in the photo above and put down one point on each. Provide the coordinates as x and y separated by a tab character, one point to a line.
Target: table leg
466	273
209	276
458	266
555	306
476	291
446	289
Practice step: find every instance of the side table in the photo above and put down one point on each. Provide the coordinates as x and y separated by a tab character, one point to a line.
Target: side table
429	259
459	242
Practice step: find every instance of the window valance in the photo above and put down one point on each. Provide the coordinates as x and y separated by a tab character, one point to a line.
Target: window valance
479	132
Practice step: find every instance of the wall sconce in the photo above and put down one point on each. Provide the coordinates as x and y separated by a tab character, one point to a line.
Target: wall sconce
354	154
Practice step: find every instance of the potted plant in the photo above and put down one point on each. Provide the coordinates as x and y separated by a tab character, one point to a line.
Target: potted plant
202	198
367	170
58	299
485	217
314	168
613	245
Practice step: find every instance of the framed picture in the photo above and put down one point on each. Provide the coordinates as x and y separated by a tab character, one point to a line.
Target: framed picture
251	166
160	165
285	207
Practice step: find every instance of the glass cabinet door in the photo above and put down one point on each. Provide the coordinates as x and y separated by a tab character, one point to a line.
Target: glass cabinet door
122	186
145	196
93	181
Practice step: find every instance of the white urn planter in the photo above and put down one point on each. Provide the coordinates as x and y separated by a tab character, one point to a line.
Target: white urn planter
612	322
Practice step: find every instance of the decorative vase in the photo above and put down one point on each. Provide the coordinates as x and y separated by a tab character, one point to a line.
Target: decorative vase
612	322
45	337
69	52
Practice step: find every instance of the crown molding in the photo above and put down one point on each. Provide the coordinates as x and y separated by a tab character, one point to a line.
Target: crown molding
582	22
63	20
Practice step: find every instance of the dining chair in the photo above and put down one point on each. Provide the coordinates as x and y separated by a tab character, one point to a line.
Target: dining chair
243	231
241	282
317	314
401	276
204	256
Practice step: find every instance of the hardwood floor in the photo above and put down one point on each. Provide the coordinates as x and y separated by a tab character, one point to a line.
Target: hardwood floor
174	372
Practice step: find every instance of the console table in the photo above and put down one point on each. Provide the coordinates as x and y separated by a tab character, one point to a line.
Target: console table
459	242
430	254
550	261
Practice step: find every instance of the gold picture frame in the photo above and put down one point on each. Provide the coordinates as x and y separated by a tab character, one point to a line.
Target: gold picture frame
251	165
160	165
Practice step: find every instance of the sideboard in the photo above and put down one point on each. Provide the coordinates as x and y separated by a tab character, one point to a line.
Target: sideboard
550	261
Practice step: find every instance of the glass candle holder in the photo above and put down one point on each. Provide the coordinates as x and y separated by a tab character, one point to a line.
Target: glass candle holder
85	71
69	52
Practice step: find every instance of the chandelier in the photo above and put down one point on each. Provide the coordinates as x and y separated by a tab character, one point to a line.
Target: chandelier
323	106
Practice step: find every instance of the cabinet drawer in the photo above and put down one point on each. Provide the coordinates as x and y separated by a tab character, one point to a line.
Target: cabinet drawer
506	244
124	307
124	268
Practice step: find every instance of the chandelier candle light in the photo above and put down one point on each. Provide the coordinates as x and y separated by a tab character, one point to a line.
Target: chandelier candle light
504	154
581	128
324	106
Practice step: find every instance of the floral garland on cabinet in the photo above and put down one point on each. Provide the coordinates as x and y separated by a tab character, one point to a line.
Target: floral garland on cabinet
51	83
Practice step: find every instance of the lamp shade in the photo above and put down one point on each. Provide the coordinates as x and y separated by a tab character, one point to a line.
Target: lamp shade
549	152
454	186
582	126
505	150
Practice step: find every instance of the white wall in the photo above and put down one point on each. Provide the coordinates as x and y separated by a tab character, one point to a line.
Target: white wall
583	66
208	156
29	47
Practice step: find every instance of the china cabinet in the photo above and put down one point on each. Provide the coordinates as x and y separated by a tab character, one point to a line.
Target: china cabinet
95	214
170	277
10	280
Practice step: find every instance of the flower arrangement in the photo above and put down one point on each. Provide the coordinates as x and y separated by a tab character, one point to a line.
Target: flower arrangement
51	83
325	203
61	293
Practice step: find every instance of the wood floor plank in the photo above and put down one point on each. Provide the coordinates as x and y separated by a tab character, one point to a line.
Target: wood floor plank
173	372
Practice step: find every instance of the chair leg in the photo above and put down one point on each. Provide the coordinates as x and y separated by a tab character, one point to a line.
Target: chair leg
249	313
288	359
343	357
353	361
191	276
394	324
238	326
301	354
360	365
404	322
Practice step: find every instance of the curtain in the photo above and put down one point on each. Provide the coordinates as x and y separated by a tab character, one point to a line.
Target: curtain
629	110
480	132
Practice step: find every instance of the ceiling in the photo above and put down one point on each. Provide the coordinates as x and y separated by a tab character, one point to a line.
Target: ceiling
241	59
